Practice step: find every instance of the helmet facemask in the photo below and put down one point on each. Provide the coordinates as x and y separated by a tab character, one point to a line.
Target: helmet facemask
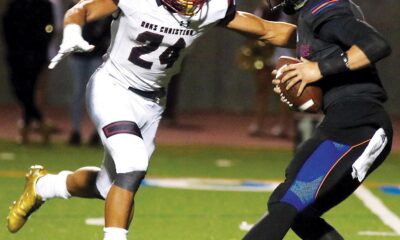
185	7
290	6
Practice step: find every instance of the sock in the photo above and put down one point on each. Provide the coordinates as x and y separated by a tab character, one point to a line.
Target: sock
53	186
114	233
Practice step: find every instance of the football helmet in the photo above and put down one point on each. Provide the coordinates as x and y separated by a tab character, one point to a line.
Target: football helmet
185	7
289	6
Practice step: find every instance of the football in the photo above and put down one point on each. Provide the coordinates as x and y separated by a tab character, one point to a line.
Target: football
309	101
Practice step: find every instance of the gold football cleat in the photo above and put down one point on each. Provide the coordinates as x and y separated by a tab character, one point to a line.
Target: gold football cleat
28	202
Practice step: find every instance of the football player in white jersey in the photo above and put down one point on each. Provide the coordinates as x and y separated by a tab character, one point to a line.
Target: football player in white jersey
126	95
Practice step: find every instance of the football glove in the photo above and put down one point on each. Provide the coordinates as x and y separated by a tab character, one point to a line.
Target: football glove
72	42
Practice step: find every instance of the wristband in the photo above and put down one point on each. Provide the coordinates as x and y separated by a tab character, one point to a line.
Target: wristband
345	59
334	65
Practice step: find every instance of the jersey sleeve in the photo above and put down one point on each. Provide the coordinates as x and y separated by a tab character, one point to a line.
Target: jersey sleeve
230	13
325	10
340	26
126	6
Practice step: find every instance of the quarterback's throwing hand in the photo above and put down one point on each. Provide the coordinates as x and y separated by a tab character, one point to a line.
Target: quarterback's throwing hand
72	42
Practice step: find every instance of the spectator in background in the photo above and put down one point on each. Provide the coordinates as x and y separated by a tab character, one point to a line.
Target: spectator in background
58	16
83	65
261	58
169	116
28	29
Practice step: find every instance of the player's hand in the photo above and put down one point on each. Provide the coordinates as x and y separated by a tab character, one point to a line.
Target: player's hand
276	82
305	72
68	48
277	89
72	42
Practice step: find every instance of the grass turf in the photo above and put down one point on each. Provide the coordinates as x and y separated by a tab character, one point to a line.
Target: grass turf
171	213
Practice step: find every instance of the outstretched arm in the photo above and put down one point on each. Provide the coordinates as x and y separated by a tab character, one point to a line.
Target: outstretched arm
83	12
276	33
89	10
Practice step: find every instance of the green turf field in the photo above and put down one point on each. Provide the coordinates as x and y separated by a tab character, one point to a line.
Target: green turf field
164	214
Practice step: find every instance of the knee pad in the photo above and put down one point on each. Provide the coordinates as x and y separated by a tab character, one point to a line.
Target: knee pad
129	181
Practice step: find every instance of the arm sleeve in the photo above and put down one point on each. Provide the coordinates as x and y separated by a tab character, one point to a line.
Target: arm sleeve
340	26
230	13
355	32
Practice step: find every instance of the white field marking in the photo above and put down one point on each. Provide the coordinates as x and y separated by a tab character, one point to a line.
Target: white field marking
383	234
245	226
212	184
223	163
95	221
7	156
378	208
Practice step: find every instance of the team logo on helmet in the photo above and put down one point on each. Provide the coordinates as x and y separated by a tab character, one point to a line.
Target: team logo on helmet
185	7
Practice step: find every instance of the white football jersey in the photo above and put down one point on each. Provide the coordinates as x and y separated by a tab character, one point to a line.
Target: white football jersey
149	41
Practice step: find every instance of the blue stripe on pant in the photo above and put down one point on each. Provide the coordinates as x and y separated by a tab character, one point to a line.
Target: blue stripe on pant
304	188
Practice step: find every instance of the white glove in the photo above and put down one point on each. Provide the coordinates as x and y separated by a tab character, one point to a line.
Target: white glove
370	154
72	42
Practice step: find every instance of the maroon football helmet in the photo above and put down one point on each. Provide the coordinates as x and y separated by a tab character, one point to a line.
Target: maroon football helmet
185	7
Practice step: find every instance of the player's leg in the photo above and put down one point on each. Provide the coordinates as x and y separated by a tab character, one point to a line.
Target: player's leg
41	186
25	87
22	79
130	155
275	224
127	124
319	177
308	225
66	184
338	185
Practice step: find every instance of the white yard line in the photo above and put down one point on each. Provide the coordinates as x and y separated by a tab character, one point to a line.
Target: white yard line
382	234
376	206
95	221
7	156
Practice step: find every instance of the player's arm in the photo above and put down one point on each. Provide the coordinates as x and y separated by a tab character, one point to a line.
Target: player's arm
89	10
83	12
276	33
365	47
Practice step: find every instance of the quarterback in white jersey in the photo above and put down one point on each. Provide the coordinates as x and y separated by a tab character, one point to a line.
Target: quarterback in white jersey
126	95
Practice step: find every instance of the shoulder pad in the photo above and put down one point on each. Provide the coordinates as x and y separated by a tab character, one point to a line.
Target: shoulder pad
320	11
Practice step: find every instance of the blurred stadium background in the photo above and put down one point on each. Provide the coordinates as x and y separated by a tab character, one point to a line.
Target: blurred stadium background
216	101
222	85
